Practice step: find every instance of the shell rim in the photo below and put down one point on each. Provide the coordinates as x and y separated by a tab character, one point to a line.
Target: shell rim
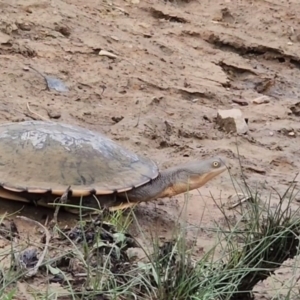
73	192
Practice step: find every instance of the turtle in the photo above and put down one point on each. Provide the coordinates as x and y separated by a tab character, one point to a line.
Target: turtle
41	161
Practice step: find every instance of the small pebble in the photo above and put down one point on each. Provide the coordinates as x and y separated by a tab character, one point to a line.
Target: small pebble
240	102
232	120
108	54
53	114
261	100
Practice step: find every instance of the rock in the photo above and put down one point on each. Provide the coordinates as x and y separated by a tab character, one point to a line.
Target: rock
296	109
117	119
232	120
24	26
63	29
224	15
240	102
4	38
256	169
261	100
53	114
108	54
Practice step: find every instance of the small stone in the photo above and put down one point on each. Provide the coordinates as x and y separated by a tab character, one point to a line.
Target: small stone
53	114
232	120
240	102
296	109
4	38
256	169
117	119
11	28
63	29
108	54
288	132
261	100
24	26
114	38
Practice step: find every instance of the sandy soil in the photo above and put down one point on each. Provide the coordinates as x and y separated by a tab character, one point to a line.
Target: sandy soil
176	64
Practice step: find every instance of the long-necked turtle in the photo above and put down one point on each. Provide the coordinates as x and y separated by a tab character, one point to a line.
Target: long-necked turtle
40	160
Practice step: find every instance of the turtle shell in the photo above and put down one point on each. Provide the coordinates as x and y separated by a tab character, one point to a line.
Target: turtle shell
40	157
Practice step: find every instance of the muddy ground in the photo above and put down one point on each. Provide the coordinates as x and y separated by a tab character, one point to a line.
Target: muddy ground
176	63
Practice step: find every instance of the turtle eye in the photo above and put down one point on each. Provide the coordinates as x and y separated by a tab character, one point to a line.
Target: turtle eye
216	164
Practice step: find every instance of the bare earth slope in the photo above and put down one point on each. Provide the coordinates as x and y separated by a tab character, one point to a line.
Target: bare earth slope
176	64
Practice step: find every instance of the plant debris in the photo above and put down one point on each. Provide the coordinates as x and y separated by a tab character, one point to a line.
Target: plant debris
52	83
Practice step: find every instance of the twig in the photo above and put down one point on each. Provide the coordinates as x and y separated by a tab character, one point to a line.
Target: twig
31	272
63	199
41	74
240	201
34	113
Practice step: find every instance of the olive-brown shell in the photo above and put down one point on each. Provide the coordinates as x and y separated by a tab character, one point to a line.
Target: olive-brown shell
38	157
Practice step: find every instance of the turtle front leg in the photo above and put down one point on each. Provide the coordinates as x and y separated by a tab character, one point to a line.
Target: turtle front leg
122	206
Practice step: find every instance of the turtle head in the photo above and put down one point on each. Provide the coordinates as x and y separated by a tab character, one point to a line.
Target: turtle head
192	175
200	172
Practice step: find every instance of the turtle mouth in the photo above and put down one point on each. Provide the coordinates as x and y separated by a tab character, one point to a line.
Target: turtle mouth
197	181
214	173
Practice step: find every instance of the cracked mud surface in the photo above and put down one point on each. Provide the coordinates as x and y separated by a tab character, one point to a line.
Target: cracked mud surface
176	64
